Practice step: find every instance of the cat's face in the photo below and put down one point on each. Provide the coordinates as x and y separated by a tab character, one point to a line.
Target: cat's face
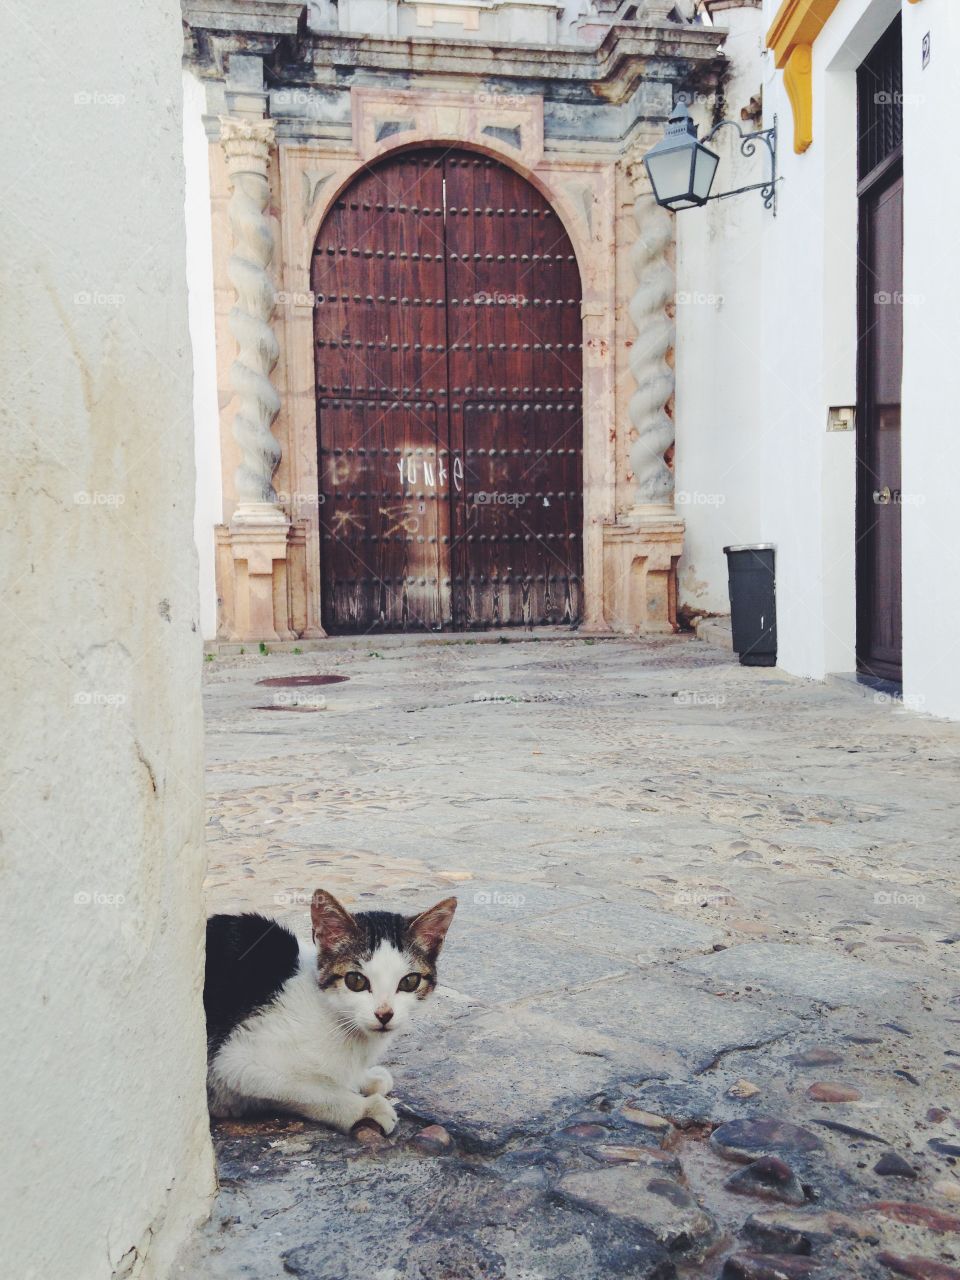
375	967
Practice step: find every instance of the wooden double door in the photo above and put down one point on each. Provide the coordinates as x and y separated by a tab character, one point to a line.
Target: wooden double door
448	342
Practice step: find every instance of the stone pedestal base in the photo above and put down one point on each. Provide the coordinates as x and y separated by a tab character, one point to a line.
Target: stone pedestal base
640	555
261	575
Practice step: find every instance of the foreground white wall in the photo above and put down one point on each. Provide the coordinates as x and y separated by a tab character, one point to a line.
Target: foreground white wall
107	1158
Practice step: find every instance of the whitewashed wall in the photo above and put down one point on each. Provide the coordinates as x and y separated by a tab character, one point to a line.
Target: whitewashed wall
809	320
719	341
208	510
931	382
106	1160
758	371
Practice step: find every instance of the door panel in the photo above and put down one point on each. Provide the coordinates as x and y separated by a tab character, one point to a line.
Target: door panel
383	517
515	400
449	402
879	538
380	340
880	355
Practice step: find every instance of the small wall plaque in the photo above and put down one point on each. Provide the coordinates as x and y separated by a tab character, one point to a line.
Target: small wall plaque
841	418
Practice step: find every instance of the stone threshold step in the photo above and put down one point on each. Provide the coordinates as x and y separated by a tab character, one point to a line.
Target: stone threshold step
715	630
396	640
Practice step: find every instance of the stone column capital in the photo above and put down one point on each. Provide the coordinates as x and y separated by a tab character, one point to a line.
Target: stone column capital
247	144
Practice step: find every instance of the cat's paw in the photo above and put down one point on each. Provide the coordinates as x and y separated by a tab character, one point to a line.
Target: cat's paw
380	1110
377	1080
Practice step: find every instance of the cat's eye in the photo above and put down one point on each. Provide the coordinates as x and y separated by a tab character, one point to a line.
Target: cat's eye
356	981
410	982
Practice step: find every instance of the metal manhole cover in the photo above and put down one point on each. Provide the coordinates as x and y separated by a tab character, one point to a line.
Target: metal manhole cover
301	682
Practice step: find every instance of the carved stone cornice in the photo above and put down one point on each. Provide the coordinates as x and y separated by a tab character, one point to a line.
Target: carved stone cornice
608	72
265	17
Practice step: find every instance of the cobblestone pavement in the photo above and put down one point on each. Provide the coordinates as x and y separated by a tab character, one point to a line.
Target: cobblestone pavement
701	1005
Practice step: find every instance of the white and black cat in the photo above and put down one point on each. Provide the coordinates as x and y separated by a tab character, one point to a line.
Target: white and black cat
298	1027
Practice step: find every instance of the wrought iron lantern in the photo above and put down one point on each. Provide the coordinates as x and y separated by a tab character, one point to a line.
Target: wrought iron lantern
682	168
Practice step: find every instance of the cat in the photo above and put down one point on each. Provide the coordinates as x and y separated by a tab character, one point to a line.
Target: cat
298	1027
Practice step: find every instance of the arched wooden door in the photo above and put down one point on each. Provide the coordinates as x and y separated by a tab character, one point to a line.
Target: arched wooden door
449	406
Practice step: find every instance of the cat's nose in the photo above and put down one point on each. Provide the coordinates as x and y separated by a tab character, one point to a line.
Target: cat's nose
383	1016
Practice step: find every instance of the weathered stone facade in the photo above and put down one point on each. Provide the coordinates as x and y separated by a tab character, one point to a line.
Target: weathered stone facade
294	111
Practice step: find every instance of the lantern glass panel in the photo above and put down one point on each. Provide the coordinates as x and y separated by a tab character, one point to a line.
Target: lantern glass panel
704	169
670	172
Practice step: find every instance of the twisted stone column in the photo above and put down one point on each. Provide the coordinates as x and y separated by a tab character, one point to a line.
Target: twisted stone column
247	145
643	547
650	311
254	583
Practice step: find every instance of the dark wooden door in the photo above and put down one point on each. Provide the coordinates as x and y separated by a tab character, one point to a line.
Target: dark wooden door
879	611
449	403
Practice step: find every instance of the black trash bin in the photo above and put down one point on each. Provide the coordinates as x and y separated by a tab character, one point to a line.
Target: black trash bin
753	603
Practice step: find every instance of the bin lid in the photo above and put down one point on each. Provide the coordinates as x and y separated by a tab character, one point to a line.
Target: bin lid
751	546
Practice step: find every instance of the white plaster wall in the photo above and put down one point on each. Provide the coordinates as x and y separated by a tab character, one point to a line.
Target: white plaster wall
208	511
758	370
809	282
769	345
810	326
719	344
106	1154
838	478
931	379
757	373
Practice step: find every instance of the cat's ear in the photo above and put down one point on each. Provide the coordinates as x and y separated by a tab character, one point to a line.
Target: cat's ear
429	928
332	924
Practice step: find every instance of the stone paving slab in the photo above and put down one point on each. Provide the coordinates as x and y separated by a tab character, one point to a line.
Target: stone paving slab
481	968
693	895
810	973
523	1072
645	1009
627	930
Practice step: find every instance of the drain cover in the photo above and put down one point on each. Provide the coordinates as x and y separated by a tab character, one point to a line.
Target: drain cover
301	682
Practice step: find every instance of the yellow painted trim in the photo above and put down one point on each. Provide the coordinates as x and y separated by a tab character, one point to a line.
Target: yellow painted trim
791	36
798	82
797	22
